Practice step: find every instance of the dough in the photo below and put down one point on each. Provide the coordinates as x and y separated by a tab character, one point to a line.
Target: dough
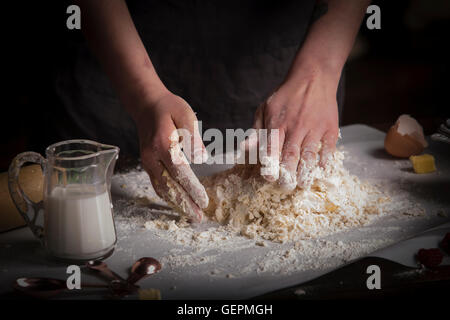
334	201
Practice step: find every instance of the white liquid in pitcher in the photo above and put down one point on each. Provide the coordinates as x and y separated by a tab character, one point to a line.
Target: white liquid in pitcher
78	222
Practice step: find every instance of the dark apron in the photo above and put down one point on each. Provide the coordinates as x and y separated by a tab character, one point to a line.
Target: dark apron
223	57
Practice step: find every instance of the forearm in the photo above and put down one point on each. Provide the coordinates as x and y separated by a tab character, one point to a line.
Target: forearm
330	38
112	36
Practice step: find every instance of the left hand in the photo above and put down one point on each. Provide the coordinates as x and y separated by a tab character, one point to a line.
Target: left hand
304	109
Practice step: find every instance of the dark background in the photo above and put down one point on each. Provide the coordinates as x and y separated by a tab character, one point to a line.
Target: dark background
402	68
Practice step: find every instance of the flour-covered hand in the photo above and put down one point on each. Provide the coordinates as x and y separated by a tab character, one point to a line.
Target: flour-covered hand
304	110
163	158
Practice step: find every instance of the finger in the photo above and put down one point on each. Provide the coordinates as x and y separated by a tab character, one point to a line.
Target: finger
252	140
289	161
308	158
188	129
169	190
248	148
181	172
329	140
269	151
178	167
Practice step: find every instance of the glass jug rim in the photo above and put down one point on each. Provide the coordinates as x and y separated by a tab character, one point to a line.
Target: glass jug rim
50	150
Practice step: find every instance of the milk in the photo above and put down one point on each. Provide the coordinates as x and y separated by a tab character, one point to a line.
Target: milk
79	222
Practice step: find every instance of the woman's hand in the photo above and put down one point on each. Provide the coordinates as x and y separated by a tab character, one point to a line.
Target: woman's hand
304	109
157	113
157	121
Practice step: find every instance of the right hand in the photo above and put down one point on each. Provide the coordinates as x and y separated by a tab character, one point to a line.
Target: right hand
174	181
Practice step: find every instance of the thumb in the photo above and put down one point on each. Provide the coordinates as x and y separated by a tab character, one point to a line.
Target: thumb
188	133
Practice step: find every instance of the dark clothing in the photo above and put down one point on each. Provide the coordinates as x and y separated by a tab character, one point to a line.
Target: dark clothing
223	57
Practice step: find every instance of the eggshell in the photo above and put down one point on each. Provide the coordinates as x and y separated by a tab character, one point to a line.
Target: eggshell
405	145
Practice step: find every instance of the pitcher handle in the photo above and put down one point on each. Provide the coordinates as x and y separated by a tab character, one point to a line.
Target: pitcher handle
28	209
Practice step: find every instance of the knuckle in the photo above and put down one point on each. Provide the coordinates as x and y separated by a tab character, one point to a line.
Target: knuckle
330	137
273	106
311	144
308	154
291	152
272	121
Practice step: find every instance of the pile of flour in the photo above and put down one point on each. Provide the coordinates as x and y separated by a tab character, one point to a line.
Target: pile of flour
334	201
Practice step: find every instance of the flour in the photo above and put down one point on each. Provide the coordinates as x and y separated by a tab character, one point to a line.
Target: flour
331	200
184	189
287	179
270	167
315	254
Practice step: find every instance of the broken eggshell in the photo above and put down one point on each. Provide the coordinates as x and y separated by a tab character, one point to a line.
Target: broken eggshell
405	138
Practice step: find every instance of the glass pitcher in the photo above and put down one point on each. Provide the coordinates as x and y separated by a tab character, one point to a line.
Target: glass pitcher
78	222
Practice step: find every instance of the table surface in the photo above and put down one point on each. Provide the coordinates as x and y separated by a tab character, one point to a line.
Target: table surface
21	254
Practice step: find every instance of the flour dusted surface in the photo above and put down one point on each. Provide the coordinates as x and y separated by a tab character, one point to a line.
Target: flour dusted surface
221	250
